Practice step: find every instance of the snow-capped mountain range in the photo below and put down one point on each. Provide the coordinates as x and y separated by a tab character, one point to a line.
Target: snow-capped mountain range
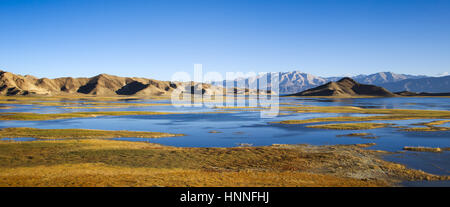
297	81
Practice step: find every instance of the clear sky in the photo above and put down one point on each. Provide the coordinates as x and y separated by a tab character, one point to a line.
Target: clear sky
154	39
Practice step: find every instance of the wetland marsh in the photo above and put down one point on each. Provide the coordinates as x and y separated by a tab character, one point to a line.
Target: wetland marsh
321	123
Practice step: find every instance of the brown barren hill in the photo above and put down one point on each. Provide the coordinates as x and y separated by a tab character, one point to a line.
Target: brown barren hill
100	85
344	88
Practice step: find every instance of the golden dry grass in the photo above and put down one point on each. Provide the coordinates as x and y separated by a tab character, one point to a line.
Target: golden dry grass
361	135
425	129
88	162
388	114
101	175
359	118
25	116
37	117
77	133
83	101
437	122
358	110
422	149
349	126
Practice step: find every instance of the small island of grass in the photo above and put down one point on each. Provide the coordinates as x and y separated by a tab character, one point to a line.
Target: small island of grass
361	135
22	116
25	116
77	133
426	129
350	126
423	149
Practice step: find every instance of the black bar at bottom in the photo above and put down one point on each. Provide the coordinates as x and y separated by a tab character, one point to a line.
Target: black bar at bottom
229	196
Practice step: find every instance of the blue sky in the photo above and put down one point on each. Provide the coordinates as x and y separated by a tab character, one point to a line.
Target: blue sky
82	38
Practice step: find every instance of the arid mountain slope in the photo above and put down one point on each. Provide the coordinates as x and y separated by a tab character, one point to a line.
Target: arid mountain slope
345	87
100	85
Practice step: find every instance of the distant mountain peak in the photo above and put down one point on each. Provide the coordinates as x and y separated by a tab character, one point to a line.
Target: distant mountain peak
347	80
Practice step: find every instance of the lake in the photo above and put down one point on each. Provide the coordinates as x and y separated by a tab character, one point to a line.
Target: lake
246	126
